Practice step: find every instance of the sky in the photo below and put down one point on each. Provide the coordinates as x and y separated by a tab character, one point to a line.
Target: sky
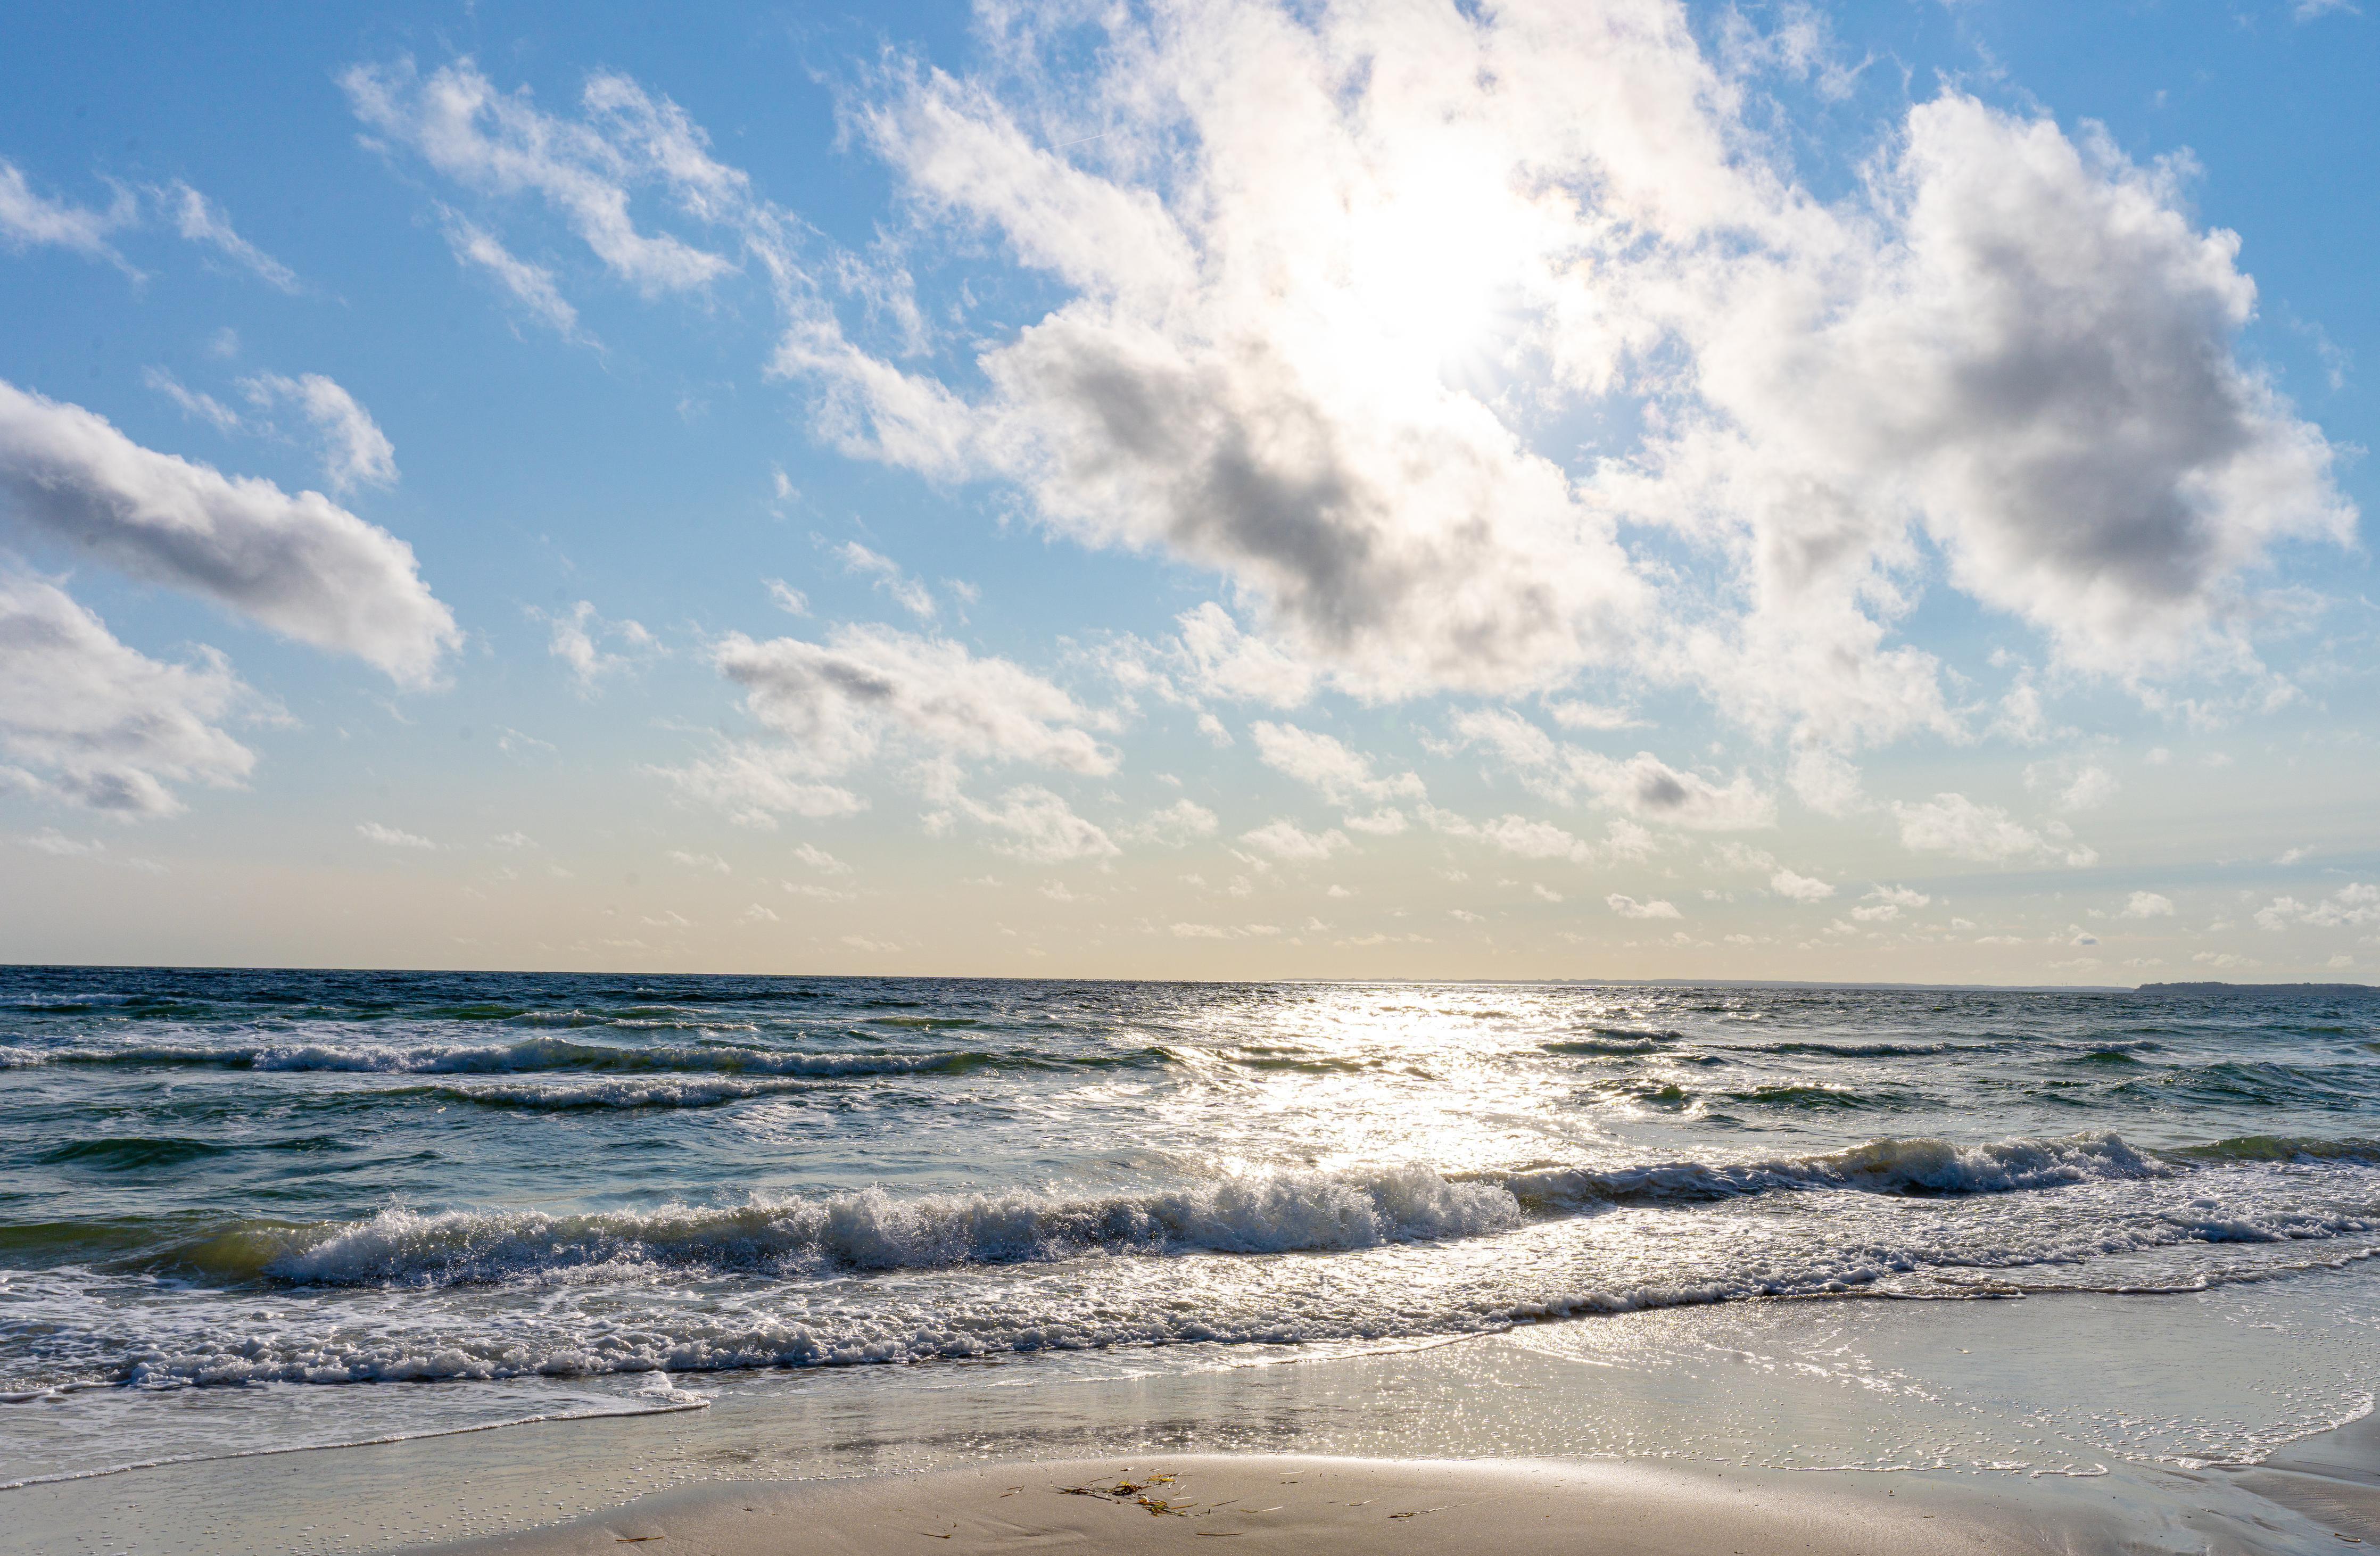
1217	489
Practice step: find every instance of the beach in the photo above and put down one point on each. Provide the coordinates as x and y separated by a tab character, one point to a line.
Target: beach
2065	1424
322	1263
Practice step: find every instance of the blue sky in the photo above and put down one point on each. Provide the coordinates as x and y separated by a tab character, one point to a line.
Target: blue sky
1620	489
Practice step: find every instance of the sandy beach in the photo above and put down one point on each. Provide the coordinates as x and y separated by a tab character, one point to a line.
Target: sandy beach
1848	1426
1282	1504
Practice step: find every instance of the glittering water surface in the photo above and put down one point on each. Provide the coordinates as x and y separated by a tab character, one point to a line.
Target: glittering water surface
548	1192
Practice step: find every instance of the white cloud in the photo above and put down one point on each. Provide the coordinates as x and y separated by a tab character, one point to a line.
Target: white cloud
1643	785
1327	271
710	864
819	859
760	913
1284	839
1040	826
903	590
29	220
1535	840
206	407
503	144
1225	932
1801	888
354	451
1951	824
1323	762
1176	824
86	720
2084	789
56	843
2148	905
2092	787
300	566
2354	904
1387	822
575	637
1629	908
1572	714
839	702
1292	432
391	837
786	597
755	783
1307	241
1219	661
1826	780
530	285
201	221
1900	896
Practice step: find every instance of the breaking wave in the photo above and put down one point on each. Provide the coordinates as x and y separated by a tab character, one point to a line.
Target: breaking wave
871	1230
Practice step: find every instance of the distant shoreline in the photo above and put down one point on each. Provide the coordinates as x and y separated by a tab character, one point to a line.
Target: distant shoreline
1565	981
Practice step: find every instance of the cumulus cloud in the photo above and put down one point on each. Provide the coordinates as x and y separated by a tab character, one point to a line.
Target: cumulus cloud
755	783
819	859
1322	279
89	721
1177	824
1325	764
354	451
1951	824
1801	888
302	566
576	637
1629	908
2084	789
1643	785
2148	905
840	701
391	837
2353	904
1038	826
1300	234
1222	661
1284	839
872	691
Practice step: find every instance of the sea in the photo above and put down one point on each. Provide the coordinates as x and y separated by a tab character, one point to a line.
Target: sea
244	1212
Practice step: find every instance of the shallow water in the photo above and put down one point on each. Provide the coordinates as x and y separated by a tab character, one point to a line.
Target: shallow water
534	1191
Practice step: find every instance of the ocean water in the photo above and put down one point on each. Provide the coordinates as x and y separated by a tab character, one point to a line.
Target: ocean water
246	1211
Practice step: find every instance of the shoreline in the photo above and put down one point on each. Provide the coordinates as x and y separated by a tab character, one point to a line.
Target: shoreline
2003	1420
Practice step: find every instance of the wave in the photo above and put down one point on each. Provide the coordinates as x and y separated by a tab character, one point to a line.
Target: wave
126	1153
1870	1050
1918	1167
871	1230
2281	1149
525	1055
864	1230
618	1092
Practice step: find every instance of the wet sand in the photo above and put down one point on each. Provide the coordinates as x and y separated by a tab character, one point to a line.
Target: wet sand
1279	1504
2050	1425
